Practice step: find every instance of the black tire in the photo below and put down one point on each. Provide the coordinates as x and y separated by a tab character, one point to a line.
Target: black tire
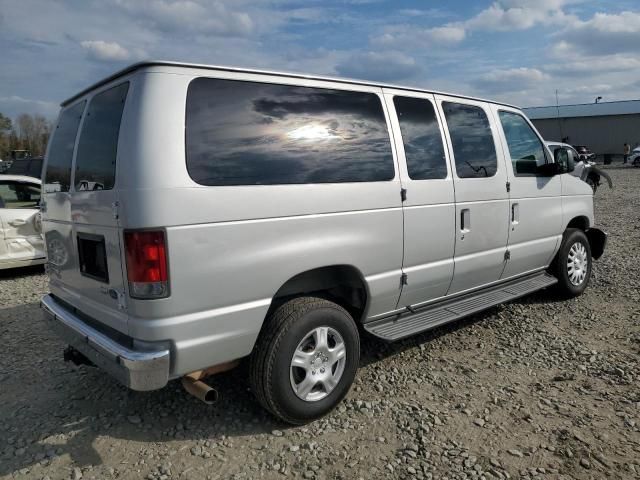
592	183
560	269
270	362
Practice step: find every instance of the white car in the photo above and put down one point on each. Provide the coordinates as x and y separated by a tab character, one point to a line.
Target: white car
634	157
584	169
21	242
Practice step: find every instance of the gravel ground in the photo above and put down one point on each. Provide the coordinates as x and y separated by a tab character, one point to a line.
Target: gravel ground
538	388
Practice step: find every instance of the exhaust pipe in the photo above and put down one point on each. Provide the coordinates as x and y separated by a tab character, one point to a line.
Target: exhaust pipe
200	390
192	382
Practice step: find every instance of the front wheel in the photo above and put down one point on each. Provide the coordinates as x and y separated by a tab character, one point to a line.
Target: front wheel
305	359
593	183
572	266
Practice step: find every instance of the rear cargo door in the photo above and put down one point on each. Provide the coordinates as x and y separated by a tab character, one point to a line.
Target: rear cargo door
81	208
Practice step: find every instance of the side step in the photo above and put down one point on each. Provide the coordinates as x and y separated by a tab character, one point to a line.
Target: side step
409	323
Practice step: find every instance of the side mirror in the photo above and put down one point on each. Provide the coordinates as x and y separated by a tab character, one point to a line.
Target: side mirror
549	169
563	159
526	166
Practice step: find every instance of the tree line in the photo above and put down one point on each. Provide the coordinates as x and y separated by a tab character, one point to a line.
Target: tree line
27	132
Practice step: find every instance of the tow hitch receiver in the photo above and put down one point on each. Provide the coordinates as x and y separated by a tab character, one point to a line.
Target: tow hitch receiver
72	355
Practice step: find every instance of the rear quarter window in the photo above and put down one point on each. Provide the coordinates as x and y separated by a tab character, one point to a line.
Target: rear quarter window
249	133
98	144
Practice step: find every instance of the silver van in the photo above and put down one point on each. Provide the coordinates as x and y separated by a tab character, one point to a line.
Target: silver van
195	216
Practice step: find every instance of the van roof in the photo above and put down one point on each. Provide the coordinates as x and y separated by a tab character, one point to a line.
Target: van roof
154	63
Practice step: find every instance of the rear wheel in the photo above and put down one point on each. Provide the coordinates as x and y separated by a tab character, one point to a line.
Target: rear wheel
305	359
572	266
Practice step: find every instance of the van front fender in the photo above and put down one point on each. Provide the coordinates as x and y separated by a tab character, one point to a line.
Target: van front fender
597	241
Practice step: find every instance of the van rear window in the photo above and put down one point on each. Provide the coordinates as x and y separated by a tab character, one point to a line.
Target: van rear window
98	144
248	133
60	155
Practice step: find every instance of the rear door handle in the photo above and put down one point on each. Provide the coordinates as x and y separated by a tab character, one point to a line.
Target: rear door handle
17	222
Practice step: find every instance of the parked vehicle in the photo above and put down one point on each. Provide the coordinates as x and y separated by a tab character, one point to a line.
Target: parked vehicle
273	217
585	170
21	242
584	153
634	158
29	166
19	154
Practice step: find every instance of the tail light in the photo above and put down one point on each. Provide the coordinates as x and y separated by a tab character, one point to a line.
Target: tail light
146	254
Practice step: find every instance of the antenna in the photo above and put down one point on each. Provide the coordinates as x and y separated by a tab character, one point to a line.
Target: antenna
558	116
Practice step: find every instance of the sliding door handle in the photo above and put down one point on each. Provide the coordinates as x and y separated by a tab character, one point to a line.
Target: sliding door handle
515	213
465	221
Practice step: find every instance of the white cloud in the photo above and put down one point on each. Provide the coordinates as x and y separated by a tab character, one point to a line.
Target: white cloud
589	65
510	80
497	18
408	36
14	104
603	34
212	18
502	15
447	34
105	51
381	66
508	15
591	90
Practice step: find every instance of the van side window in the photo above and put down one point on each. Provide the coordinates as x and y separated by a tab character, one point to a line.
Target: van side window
421	137
471	139
525	148
58	175
98	144
249	133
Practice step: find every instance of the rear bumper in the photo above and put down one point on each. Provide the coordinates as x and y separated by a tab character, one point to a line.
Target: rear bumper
137	369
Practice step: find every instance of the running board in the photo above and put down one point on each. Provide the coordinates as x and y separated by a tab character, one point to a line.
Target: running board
409	323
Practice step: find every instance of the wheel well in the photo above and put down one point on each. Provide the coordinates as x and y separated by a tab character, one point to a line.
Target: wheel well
581	223
342	284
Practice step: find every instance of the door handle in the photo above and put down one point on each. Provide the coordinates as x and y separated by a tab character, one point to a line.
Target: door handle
18	222
515	213
465	221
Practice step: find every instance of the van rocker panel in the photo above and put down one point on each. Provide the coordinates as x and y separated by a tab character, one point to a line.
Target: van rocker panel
407	324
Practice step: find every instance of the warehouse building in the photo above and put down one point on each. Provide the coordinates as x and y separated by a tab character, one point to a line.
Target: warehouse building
603	127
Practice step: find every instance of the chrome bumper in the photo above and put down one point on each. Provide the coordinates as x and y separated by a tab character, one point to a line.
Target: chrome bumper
137	369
